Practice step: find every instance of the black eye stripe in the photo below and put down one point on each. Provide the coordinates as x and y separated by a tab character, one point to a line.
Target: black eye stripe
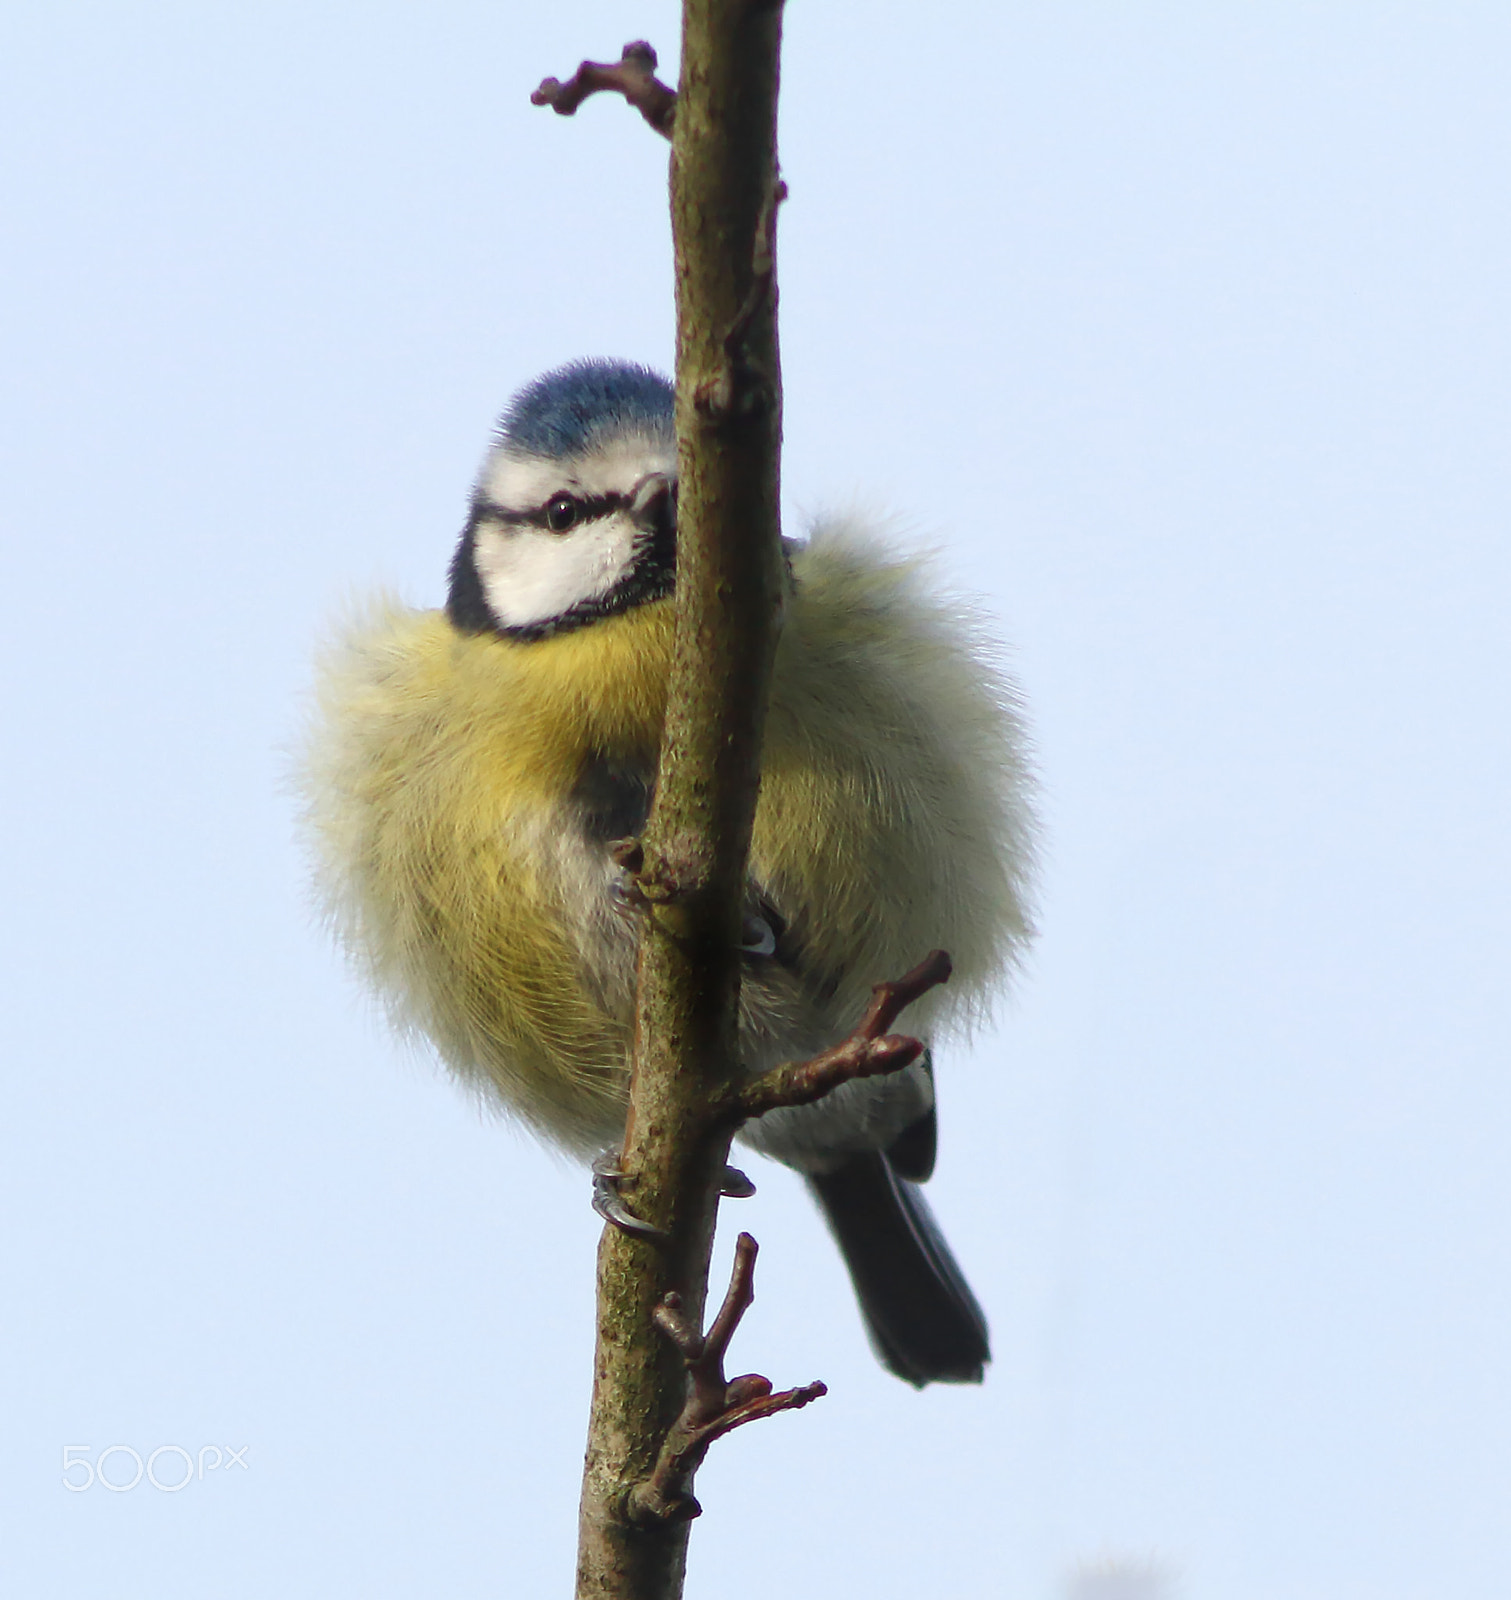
590	508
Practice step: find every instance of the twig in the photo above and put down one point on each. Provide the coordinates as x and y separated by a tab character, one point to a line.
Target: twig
715	1405
633	75
869	1051
730	584
655	880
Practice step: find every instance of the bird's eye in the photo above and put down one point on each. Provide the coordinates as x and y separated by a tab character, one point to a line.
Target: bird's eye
561	512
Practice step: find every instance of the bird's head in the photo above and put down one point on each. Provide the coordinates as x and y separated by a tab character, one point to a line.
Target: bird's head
574	514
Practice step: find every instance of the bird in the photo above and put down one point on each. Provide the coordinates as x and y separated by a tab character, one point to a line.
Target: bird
471	770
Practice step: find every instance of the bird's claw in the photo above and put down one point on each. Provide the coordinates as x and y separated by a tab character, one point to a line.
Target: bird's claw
607	1202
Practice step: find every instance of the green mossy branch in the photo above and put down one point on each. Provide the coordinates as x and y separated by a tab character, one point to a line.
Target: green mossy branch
724	190
660	1397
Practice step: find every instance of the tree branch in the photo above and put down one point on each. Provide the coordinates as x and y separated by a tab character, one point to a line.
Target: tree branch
692	857
633	75
739	382
872	1049
715	1405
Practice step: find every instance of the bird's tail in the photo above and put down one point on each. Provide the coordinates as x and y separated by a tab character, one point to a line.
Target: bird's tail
923	1319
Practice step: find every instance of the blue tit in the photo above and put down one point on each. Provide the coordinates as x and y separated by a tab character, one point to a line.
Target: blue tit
470	768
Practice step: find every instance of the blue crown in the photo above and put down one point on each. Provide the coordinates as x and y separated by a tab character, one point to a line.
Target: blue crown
575	407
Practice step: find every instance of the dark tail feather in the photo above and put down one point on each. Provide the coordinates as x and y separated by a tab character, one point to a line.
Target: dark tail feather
922	1317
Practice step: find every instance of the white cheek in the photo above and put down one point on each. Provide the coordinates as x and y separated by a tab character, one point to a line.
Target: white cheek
530	576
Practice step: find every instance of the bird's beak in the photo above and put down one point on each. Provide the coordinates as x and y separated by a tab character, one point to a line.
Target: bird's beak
653	508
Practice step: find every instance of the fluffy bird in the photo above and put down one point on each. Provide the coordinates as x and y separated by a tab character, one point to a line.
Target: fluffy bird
470	768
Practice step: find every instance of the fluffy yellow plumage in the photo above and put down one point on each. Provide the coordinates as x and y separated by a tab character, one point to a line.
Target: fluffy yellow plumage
443	767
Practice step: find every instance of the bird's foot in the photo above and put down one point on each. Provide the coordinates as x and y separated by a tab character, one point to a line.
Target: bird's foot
609	1204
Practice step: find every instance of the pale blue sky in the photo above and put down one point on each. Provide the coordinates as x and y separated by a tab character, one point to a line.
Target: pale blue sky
1181	331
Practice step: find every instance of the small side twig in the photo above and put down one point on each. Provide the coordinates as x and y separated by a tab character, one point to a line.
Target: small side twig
872	1049
715	1405
661	879
633	76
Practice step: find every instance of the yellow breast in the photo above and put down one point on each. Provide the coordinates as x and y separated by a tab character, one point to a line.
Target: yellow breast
890	818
